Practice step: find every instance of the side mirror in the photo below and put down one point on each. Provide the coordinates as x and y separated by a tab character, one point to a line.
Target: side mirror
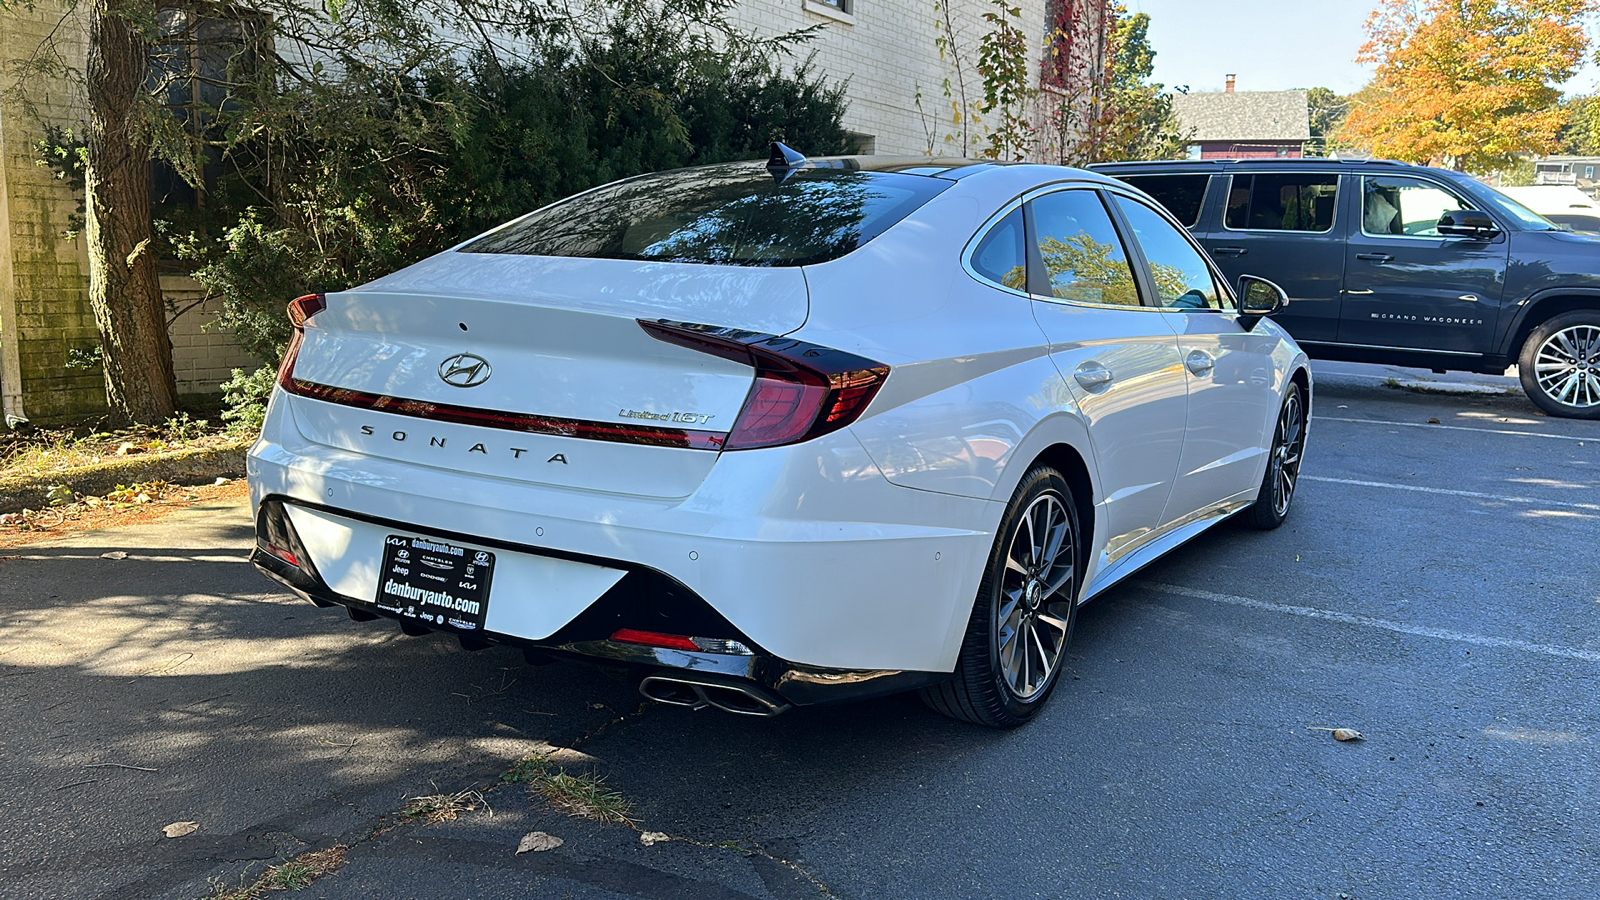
1467	223
1258	297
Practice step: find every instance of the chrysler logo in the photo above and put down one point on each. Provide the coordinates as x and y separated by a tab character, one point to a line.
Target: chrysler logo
464	370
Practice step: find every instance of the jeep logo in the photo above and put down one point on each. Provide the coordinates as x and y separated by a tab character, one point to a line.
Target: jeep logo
464	370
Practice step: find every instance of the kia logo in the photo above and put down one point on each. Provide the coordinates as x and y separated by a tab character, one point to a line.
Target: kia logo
464	370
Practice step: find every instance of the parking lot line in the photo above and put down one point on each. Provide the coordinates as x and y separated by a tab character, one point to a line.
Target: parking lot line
1476	495
1558	437
1328	615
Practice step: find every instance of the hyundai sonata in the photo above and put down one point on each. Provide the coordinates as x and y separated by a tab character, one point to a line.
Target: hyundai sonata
781	433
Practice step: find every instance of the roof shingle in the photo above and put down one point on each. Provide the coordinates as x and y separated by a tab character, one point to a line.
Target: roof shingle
1245	115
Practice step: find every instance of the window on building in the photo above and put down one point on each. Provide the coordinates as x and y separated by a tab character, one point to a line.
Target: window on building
203	53
1291	202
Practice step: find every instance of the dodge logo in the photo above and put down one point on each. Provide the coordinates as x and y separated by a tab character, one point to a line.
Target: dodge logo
464	370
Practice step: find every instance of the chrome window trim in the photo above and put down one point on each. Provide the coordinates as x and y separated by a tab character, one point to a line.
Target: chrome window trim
1333	224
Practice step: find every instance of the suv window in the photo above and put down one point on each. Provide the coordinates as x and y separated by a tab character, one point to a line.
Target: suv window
1083	256
1181	276
1392	205
1290	202
1180	194
735	214
1002	255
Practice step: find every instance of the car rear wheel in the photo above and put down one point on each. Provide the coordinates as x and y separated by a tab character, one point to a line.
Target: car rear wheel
1560	365
1023	616
1283	463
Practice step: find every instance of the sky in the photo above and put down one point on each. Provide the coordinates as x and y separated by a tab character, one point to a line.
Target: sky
1271	45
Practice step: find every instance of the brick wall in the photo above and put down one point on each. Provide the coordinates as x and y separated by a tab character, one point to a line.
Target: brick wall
44	304
203	355
886	50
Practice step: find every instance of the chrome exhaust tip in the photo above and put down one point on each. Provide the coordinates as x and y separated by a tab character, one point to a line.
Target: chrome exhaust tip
737	698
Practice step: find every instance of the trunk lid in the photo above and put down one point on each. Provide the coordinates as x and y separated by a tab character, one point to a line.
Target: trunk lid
536	369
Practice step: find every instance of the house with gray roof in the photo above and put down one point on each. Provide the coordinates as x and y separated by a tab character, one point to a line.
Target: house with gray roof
1243	124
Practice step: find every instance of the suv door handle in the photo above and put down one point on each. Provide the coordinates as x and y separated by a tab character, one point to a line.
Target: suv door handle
1199	362
1093	376
1375	257
1230	251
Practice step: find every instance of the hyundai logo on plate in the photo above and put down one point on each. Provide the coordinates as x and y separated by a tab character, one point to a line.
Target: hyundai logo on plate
464	370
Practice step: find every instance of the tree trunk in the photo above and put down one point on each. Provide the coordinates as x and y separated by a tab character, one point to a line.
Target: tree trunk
124	290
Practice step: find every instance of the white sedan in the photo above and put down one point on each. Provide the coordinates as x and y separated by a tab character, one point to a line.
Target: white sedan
782	433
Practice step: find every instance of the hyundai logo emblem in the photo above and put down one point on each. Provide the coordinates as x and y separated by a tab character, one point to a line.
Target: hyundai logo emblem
464	370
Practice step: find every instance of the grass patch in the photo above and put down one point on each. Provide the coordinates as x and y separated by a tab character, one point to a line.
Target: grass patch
293	875
526	769
584	795
39	452
436	808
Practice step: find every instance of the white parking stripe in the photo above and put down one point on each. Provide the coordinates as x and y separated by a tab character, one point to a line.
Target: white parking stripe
1476	495
1558	437
1443	634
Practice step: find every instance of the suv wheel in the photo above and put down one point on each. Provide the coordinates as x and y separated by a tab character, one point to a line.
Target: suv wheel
1022	618
1560	365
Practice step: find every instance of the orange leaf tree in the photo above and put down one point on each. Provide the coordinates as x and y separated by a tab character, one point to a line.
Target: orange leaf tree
1467	83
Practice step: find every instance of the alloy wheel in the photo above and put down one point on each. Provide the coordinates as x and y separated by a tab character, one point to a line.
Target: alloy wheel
1033	617
1567	366
1288	444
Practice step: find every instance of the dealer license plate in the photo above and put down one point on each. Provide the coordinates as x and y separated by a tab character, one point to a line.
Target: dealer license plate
435	583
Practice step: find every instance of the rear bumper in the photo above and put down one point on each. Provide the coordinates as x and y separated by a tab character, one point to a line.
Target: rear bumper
642	598
806	550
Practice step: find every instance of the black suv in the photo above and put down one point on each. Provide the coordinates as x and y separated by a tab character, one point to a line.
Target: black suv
1387	262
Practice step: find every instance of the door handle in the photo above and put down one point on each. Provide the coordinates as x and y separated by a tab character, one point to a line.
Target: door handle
1199	362
1093	376
1230	251
1375	257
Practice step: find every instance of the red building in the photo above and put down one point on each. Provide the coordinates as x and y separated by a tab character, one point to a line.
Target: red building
1242	124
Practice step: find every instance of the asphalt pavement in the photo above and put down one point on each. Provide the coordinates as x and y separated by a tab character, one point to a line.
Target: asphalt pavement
1434	588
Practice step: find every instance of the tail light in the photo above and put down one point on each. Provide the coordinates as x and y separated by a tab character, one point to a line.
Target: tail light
801	391
680	642
301	309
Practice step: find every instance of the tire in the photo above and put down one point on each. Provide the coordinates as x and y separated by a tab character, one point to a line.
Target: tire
1560	365
1283	464
1029	596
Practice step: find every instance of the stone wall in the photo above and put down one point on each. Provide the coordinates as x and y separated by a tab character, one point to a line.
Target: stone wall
203	354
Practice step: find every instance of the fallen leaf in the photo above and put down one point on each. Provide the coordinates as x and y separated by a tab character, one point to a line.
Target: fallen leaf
538	842
650	838
115	554
179	829
125	448
1347	734
220	481
1433	420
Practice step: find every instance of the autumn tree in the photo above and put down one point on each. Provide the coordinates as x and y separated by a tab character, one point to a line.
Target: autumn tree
1112	111
1467	83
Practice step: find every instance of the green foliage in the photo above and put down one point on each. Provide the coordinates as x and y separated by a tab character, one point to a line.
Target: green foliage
244	398
333	181
1327	112
1006	68
1581	135
63	152
1129	116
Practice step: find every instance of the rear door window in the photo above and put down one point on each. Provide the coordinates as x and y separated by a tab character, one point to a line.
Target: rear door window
1287	202
1182	195
1082	254
736	214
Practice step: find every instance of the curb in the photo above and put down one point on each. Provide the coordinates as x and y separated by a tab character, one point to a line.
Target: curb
179	467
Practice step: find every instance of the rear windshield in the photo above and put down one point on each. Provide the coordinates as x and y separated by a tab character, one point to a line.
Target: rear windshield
736	214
